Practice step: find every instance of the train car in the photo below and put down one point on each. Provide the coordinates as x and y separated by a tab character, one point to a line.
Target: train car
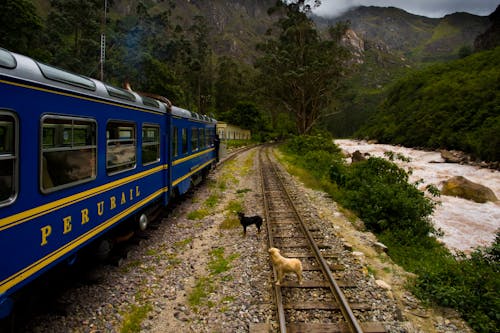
79	157
193	149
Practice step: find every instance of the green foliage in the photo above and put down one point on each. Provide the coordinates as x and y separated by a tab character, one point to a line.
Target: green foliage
470	284
299	72
20	30
379	192
133	319
315	153
198	214
199	293
453	105
219	263
73	28
301	145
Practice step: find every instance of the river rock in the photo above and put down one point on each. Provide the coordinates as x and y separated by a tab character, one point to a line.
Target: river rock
459	186
357	156
454	156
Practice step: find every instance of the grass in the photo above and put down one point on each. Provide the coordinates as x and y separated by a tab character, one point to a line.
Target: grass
212	201
204	285
234	206
198	214
134	317
243	191
230	222
218	263
183	243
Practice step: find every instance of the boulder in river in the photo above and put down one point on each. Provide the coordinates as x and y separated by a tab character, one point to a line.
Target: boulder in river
459	186
454	156
357	156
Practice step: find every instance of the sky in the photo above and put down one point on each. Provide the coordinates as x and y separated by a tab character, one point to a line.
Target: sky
429	8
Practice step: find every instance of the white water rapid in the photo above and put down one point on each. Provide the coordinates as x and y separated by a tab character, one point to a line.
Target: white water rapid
466	224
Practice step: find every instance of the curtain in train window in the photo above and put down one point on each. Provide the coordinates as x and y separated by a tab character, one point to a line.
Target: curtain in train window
150	144
8	158
69	152
121	148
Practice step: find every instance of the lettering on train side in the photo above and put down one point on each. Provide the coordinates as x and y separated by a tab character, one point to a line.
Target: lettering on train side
46	231
85	214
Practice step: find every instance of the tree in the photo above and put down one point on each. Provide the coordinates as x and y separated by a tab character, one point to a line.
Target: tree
74	31
202	76
21	26
301	72
227	85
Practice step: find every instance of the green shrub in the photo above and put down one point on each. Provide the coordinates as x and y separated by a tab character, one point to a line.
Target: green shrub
469	284
301	145
379	192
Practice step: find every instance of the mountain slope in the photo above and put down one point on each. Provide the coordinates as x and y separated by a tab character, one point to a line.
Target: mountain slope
454	105
415	37
234	27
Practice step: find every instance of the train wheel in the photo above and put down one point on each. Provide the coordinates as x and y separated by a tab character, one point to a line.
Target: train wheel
143	222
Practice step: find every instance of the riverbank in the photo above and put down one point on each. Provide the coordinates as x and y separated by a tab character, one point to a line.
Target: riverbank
466	224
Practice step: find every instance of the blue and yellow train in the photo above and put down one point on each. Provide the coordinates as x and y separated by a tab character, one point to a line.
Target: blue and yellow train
78	157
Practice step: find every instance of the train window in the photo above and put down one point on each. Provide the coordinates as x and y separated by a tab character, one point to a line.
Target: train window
212	137
175	141
120	93
69	152
121	148
8	158
150	102
184	141
150	144
194	139
7	60
203	143
60	75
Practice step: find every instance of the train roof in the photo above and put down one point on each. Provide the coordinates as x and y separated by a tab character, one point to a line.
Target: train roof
183	113
21	67
17	66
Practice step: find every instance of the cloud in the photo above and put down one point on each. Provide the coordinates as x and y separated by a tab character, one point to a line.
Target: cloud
429	8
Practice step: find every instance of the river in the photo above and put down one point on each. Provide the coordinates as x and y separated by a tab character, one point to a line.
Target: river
466	224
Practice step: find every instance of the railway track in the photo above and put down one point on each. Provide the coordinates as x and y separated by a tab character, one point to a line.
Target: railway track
319	303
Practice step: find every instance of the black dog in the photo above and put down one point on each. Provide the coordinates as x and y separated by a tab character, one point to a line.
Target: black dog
249	220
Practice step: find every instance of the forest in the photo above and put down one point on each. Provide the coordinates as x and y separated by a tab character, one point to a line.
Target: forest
299	79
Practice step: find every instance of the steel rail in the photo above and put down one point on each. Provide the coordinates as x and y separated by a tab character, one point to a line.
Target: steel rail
346	310
277	289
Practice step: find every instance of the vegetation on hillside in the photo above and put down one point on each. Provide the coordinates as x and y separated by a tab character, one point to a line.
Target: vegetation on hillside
453	105
378	192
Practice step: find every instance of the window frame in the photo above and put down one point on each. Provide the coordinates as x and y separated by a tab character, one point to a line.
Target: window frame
14	156
125	166
66	148
195	140
155	143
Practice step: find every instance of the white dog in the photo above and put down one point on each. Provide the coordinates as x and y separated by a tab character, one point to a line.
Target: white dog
285	265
